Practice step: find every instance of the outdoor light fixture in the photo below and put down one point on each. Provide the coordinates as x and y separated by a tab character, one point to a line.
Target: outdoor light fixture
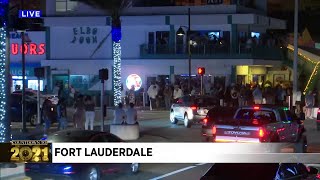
180	32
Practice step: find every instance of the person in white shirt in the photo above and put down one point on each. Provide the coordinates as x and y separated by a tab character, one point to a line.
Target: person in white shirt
152	93
119	115
177	93
132	115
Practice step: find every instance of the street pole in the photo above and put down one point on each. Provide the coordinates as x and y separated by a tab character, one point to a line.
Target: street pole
23	109
295	60
38	103
201	90
102	105
189	49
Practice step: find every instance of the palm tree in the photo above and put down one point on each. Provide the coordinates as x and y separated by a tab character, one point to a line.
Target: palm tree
114	8
4	66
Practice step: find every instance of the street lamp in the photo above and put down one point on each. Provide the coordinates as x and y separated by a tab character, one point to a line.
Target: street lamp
180	32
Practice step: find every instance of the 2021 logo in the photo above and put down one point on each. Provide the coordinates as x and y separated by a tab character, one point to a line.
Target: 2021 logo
23	153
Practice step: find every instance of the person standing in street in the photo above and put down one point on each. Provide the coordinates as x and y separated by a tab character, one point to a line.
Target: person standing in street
310	101
132	115
167	96
62	114
90	112
79	115
47	116
257	95
152	93
119	115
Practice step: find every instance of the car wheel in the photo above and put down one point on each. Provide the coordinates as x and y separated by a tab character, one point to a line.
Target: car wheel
92	173
134	167
33	119
173	119
186	121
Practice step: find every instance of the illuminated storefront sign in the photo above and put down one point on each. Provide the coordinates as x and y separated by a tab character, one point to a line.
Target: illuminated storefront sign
30	49
134	80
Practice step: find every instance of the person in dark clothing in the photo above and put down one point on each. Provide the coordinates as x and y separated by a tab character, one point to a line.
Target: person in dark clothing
47	115
90	112
79	115
62	114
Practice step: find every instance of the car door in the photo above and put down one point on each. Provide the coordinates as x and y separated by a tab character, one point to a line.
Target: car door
284	128
176	107
294	126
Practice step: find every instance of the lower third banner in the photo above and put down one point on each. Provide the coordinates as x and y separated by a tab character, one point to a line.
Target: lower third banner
179	153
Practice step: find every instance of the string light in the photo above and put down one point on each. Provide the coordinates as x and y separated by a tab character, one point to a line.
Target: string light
117	72
3	84
314	72
311	79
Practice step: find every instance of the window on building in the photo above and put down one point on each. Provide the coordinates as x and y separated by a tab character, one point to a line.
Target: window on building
65	5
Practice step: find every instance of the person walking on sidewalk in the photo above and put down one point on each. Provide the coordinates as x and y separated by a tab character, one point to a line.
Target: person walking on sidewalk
90	113
62	114
132	115
119	115
78	117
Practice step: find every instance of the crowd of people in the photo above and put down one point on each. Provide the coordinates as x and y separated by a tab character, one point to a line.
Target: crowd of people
161	95
83	117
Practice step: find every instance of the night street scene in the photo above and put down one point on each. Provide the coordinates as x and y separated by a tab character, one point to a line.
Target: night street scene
206	71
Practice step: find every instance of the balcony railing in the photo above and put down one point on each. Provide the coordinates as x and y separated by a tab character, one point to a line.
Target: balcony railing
148	51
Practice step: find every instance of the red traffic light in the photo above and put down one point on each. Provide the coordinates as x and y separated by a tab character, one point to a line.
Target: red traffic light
201	71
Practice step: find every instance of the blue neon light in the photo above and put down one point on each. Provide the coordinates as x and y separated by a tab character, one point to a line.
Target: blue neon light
4	11
67	168
116	34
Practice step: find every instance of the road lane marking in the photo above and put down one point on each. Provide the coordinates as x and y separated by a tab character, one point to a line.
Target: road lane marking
177	171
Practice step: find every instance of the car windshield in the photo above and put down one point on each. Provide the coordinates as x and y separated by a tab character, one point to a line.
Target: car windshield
252	117
220	115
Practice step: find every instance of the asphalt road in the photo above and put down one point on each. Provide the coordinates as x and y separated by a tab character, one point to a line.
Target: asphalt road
155	127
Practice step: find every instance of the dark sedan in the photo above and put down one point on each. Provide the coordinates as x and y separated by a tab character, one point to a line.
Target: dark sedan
80	171
293	171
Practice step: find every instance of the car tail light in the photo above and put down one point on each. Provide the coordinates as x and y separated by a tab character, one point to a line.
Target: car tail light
194	107
255	121
318	176
205	121
256	107
214	130
318	110
261	132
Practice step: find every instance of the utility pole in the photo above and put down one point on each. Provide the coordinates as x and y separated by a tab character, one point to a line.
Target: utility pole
295	59
189	49
23	101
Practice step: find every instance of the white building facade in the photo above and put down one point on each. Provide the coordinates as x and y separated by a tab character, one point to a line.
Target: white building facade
79	44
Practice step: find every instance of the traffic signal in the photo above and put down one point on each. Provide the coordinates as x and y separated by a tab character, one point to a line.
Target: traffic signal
103	74
39	72
201	71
